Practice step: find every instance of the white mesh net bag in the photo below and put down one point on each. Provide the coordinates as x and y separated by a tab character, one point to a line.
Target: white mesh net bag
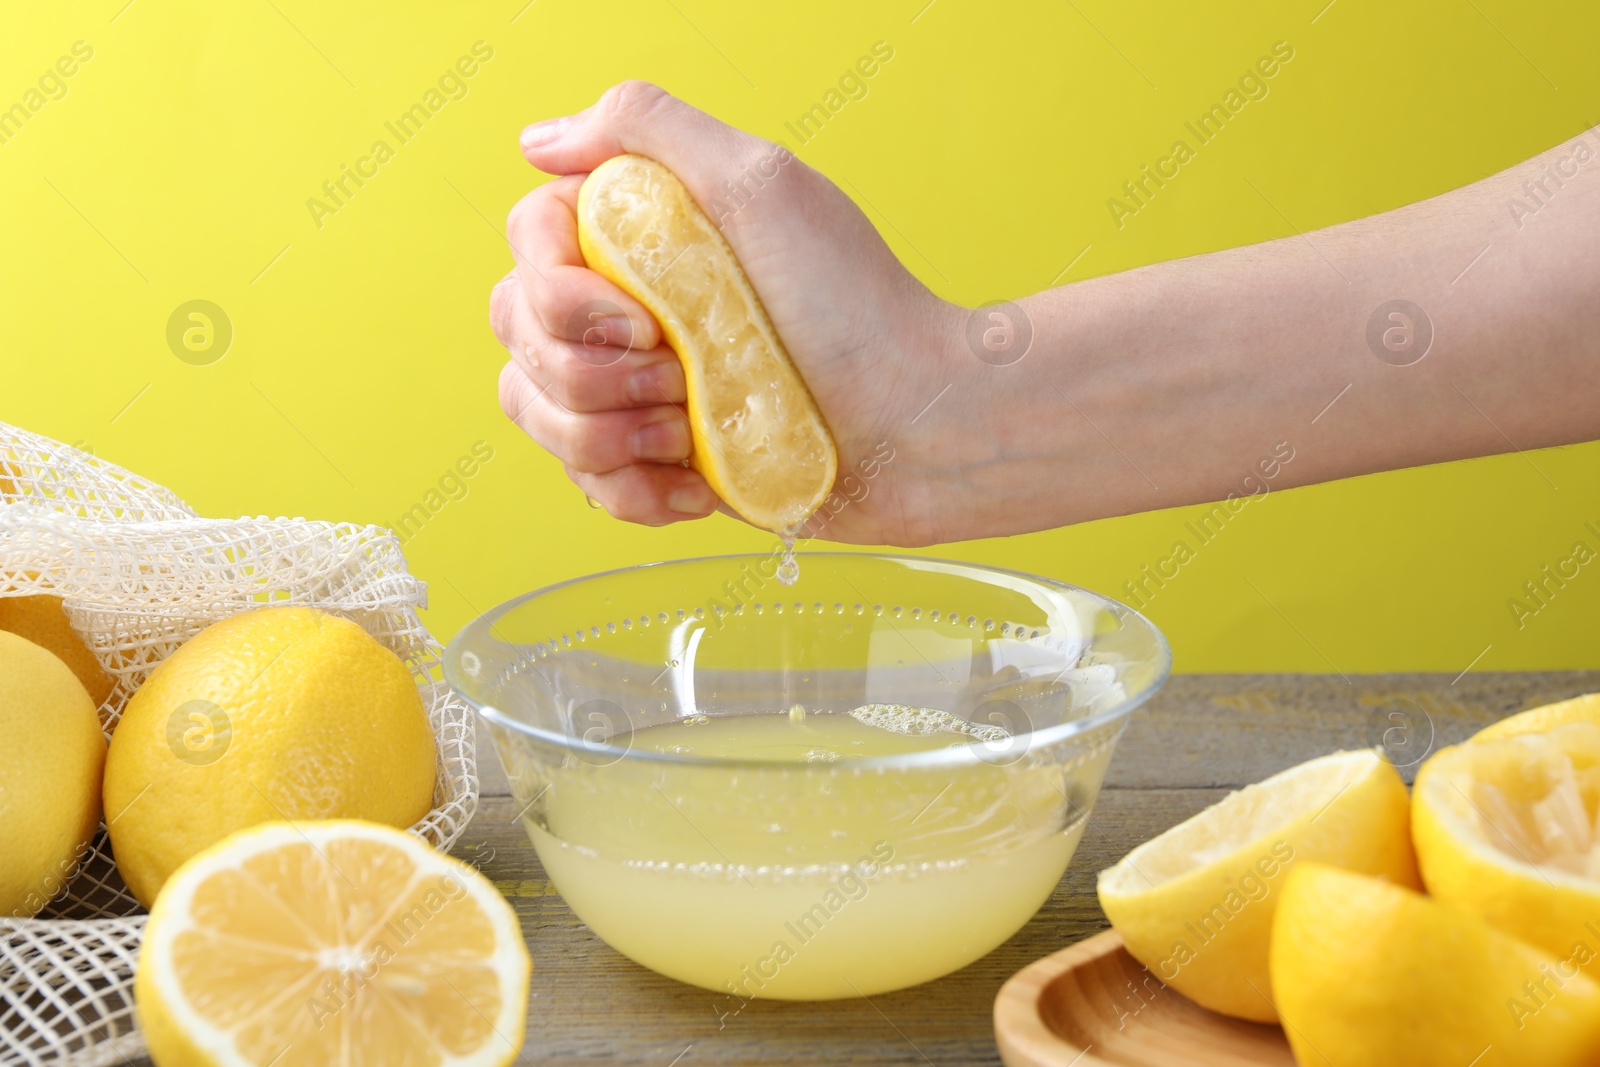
139	574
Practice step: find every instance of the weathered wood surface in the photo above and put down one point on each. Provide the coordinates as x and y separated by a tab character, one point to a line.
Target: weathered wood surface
1200	737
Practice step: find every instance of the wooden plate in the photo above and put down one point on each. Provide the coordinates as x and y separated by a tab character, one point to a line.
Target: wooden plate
1093	1005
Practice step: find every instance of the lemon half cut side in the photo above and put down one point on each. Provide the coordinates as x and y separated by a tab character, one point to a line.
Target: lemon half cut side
1195	904
1509	829
338	942
759	439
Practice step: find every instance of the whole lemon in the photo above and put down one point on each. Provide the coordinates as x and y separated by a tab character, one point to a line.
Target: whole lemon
51	754
280	713
41	619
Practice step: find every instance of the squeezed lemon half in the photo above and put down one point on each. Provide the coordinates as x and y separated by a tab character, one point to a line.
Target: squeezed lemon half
339	942
1509	828
1584	708
759	439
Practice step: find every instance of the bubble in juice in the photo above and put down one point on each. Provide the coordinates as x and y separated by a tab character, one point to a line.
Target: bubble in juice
900	719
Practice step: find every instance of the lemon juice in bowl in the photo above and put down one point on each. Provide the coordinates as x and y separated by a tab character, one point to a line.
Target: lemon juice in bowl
865	876
849	785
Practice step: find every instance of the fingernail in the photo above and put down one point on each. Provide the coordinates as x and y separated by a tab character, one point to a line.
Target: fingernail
542	133
666	438
656	384
692	499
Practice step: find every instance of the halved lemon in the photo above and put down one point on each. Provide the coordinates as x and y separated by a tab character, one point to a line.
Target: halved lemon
1367	974
338	942
1195	904
759	439
1537	720
1509	829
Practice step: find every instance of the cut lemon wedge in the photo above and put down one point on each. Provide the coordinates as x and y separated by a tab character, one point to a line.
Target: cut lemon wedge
1195	905
759	439
1509	829
339	942
1368	975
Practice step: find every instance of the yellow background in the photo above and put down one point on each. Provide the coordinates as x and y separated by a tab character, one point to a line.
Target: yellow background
179	163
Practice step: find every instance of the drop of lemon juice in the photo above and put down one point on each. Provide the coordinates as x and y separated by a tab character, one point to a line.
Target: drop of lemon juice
788	566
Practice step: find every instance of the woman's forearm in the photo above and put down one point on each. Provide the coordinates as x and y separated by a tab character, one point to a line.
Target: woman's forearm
1461	326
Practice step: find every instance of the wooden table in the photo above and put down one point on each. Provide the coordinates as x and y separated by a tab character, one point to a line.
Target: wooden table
1201	737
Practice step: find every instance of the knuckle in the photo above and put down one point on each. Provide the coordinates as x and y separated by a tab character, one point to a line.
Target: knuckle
509	388
520	219
552	305
563	384
628	511
633	504
757	154
502	308
634	96
582	446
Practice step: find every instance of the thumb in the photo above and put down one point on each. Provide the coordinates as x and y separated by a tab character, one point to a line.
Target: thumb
638	117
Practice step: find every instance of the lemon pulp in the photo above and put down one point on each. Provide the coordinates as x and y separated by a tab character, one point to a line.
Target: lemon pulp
1509	828
331	942
1195	905
759	440
1546	812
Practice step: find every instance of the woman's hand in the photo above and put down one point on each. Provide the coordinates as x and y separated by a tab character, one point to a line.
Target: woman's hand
602	392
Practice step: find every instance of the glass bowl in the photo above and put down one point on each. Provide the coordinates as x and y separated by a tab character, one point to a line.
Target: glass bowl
796	880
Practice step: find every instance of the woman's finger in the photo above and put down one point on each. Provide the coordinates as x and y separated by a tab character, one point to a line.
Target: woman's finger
567	298
650	493
593	442
583	377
